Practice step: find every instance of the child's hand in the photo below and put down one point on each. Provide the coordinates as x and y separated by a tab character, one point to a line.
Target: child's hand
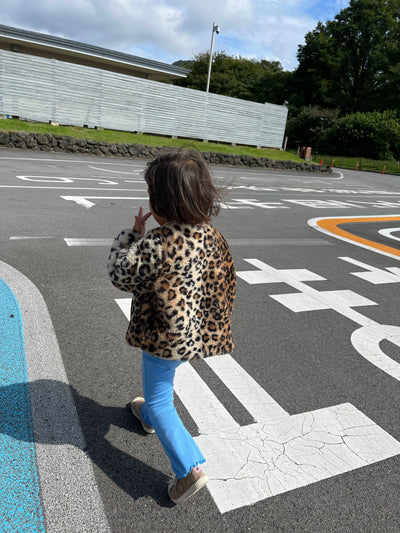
140	221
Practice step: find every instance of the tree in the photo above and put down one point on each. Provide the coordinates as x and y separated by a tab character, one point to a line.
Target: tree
352	61
310	127
248	79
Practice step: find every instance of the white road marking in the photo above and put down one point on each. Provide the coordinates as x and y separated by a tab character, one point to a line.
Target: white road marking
341	176
232	242
365	340
278	242
88	242
374	275
387	232
299	302
68	188
85	200
116	171
59	179
28	237
232	205
322	190
256	203
325	204
278	452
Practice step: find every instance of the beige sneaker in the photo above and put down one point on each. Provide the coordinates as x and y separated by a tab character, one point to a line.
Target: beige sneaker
180	490
136	406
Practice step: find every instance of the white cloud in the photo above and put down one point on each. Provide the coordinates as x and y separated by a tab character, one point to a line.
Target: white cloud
168	30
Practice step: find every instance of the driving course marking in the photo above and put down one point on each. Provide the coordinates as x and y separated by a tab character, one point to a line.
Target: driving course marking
278	452
329	226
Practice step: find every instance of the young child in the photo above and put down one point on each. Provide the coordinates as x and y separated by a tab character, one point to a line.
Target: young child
182	279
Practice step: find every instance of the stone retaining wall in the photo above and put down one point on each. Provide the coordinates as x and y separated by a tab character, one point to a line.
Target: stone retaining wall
61	143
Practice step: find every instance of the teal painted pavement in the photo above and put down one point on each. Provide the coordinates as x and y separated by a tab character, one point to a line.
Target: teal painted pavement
20	505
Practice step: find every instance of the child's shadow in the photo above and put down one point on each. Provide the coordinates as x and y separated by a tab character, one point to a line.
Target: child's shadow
54	414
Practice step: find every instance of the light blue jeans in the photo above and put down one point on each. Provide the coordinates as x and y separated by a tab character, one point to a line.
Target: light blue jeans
159	412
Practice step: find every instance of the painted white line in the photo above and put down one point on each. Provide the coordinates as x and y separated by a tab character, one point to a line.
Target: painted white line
321	190
231	205
387	232
374	275
325	204
256	203
115	189
85	200
278	452
116	171
88	242
367	337
67	484
59	179
80	200
255	399
253	188
28	237
278	242
322	180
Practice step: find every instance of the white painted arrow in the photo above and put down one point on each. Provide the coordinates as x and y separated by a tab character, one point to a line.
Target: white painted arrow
85	200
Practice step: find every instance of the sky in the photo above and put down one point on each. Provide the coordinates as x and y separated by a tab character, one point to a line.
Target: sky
170	30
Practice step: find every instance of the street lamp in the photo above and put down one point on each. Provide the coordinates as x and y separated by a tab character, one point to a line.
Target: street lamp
216	29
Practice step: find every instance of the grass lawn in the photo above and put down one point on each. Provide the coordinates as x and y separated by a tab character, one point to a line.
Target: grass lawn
359	163
112	136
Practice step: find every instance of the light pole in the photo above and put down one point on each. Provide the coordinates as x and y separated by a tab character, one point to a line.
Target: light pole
216	29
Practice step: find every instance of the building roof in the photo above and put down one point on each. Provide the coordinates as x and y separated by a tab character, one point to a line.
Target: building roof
33	43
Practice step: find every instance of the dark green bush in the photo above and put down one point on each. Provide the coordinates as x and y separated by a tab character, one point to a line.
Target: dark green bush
375	135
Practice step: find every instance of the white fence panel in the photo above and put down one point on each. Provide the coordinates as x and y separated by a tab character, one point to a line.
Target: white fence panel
43	89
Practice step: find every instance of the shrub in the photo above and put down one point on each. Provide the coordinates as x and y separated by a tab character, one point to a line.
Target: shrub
375	135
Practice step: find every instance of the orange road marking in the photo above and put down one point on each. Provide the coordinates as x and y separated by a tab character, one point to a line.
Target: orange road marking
330	226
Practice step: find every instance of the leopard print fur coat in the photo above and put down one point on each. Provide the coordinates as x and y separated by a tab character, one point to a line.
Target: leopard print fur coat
183	283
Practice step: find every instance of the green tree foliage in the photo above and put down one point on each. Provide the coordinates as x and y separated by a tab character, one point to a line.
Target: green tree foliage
248	79
374	134
310	127
352	62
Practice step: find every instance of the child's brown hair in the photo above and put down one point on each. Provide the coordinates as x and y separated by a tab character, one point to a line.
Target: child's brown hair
180	187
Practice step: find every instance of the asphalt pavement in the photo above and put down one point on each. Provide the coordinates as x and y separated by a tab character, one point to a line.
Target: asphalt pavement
301	429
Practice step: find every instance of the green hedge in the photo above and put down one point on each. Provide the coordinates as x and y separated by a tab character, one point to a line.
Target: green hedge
373	135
